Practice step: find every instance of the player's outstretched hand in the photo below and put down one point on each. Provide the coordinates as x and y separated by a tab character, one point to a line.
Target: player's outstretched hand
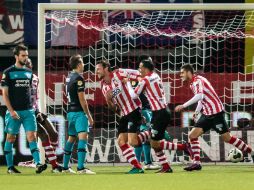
179	108
14	115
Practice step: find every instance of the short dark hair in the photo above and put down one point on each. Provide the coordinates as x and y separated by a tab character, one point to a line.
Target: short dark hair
188	67
18	48
147	62
105	64
74	61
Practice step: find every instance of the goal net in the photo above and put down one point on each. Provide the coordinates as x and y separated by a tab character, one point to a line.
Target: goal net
218	43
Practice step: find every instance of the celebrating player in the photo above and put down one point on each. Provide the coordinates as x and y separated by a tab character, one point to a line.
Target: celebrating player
151	86
79	116
212	115
17	84
145	127
117	96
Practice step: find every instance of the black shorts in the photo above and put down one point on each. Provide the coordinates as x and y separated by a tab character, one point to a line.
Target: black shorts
130	123
216	122
160	121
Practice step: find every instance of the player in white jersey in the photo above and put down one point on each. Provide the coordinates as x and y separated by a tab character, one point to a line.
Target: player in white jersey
151	86
46	130
212	115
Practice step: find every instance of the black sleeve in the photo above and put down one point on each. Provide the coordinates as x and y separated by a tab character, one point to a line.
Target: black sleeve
80	84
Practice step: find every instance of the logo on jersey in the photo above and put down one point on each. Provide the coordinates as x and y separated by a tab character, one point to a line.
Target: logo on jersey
115	92
133	83
80	83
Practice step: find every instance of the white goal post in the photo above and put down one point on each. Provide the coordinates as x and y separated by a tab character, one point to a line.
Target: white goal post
213	38
42	7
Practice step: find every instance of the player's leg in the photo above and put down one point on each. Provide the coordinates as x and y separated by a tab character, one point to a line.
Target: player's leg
30	126
203	124
49	149
138	152
49	127
11	129
82	128
143	127
68	148
146	135
238	143
8	146
221	127
134	123
127	150
160	121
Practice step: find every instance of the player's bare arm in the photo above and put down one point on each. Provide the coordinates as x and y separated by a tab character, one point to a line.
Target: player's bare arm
13	113
84	105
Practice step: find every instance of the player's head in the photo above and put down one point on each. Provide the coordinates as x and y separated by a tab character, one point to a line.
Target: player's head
102	68
29	63
21	54
76	63
186	72
146	65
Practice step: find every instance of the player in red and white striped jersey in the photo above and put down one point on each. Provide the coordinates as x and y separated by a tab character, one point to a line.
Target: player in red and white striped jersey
118	97
151	86
46	130
212	115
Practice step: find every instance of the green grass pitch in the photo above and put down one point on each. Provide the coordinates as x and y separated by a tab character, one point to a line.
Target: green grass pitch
114	178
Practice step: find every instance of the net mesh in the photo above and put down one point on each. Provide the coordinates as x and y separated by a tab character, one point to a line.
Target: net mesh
214	42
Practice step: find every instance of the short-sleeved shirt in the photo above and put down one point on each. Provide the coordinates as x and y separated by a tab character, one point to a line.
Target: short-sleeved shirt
19	84
120	94
74	84
151	86
211	102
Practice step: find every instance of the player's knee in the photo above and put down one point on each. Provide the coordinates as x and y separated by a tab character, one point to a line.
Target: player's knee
71	139
31	136
11	138
192	136
134	143
83	136
155	145
121	141
226	137
54	137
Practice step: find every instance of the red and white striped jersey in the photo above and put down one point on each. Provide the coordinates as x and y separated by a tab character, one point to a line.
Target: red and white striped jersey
211	103
152	87
35	92
120	93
